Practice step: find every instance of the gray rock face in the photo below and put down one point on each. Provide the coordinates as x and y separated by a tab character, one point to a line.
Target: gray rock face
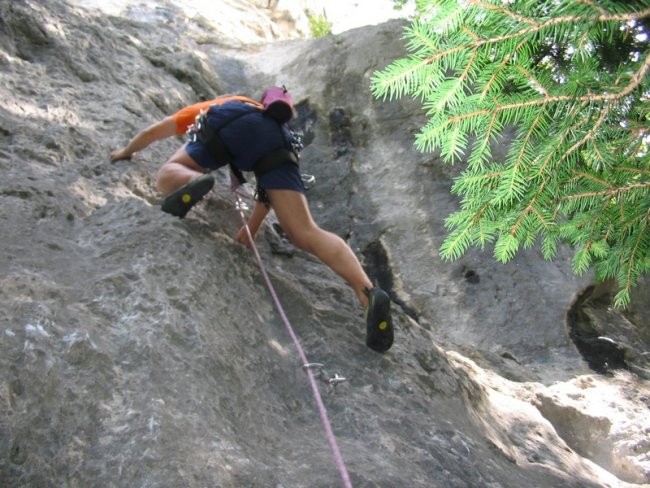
137	349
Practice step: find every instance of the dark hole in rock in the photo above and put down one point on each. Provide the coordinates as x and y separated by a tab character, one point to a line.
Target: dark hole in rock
377	266
472	277
340	131
304	123
602	354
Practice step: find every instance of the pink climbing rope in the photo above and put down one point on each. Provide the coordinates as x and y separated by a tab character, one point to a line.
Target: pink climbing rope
338	459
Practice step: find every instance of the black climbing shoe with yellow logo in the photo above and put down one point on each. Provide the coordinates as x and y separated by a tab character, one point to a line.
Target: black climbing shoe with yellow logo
379	328
182	200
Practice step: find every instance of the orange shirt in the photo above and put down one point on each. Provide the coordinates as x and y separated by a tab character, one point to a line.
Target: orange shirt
186	116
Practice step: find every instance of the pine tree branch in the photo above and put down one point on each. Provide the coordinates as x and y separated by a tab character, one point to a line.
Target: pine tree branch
501	67
635	81
590	133
538	26
592	177
594	6
611	193
550	158
571	78
529	208
639	171
504	12
532	80
519	163
623	296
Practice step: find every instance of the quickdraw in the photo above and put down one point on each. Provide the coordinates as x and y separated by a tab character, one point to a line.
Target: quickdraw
323	375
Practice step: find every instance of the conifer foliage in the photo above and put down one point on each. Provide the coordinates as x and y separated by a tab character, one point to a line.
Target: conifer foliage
570	78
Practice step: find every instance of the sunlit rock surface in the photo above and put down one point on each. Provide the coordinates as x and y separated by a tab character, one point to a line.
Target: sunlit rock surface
138	349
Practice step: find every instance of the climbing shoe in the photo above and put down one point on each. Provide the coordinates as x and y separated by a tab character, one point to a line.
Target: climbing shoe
182	200
379	328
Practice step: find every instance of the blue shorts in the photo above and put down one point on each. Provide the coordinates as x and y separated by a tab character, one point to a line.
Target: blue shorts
284	177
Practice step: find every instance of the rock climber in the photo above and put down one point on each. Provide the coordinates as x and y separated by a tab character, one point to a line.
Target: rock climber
254	136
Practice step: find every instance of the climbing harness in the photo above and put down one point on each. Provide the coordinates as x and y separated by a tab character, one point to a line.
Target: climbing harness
308	367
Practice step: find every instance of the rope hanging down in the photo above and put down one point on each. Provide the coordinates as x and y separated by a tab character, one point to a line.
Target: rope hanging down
307	366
